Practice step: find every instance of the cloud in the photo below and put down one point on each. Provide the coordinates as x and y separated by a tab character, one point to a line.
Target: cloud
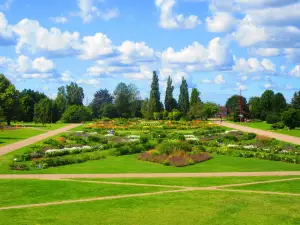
241	87
92	82
265	52
66	77
253	65
96	46
196	57
41	40
295	71
7	36
220	22
292	54
131	52
89	11
27	68
169	20
59	19
219	79
4	61
279	16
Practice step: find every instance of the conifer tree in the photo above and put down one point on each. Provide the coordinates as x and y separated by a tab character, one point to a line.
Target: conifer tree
154	101
170	102
183	101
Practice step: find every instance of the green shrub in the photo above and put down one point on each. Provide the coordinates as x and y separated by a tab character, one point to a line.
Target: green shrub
76	114
52	143
291	118
272	118
167	147
144	139
251	136
278	126
98	139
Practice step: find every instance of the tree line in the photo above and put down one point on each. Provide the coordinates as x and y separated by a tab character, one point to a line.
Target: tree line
270	107
32	106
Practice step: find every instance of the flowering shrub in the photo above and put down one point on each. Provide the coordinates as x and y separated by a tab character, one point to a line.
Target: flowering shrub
66	151
177	158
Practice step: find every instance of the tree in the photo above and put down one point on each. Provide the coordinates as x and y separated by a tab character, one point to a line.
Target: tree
296	100
170	101
9	99
154	101
74	95
195	97
196	111
279	103
145	109
233	106
108	110
76	114
291	118
267	103
209	110
61	101
43	111
255	108
100	98
183	101
28	98
126	100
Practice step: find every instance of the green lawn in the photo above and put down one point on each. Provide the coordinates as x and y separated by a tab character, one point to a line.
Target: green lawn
193	181
21	191
11	136
47	126
265	126
196	207
292	186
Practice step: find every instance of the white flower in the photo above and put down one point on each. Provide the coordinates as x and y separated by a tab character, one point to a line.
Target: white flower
249	147
134	136
232	146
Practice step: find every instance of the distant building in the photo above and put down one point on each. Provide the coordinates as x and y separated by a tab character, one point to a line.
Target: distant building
222	112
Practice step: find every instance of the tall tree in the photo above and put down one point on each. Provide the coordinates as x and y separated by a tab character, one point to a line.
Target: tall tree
75	94
296	100
43	111
126	100
183	101
28	98
279	103
170	101
255	108
61	101
101	97
267	103
234	104
9	99
195	97
154	101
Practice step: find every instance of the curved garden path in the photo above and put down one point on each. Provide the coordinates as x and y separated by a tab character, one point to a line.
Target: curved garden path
20	144
281	137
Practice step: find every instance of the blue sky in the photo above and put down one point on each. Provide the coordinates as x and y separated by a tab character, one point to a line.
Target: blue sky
220	47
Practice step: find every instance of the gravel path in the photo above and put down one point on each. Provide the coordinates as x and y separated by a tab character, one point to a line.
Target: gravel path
148	175
20	144
281	137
